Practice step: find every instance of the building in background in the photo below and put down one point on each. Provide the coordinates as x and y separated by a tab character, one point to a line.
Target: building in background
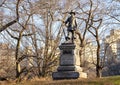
112	54
112	42
110	49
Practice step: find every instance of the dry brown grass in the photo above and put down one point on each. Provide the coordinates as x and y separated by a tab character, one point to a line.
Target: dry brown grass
47	81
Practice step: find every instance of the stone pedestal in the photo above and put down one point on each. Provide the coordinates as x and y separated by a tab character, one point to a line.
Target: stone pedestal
69	67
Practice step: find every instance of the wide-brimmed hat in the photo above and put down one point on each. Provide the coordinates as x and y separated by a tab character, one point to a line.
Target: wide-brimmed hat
72	12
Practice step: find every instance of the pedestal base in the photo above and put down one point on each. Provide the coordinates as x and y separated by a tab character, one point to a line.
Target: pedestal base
65	75
68	75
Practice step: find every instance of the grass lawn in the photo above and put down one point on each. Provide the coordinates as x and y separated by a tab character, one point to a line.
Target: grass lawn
115	80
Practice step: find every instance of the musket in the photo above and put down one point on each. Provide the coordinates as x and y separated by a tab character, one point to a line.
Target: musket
64	34
63	30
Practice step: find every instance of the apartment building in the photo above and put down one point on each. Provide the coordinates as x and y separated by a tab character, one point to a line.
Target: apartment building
112	42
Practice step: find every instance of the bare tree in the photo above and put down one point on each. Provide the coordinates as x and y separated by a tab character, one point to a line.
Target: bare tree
45	46
94	31
21	34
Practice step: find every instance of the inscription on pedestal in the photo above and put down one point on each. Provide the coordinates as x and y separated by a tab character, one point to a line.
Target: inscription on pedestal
67	51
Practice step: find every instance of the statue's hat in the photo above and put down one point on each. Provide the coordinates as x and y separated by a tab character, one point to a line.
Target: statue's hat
72	12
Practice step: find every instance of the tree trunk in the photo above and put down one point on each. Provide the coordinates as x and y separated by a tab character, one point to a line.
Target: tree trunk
17	62
98	72
18	69
98	66
80	55
43	71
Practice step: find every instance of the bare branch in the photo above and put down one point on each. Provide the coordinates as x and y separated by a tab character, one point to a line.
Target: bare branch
28	34
2	3
11	35
100	20
14	21
79	34
7	25
91	32
51	14
114	18
15	30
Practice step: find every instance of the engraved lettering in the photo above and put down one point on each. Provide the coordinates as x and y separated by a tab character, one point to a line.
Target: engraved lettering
67	52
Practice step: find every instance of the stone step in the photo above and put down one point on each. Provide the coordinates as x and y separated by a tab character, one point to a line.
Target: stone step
68	75
69	68
65	75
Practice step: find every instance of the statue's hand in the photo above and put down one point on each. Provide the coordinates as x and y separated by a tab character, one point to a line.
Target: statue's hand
61	20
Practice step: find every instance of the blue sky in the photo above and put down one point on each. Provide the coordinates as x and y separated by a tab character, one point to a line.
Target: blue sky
108	3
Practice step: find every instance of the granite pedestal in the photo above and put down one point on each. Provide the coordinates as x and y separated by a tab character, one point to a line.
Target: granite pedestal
69	66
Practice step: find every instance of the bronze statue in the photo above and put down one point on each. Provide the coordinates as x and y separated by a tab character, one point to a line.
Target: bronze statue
71	25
